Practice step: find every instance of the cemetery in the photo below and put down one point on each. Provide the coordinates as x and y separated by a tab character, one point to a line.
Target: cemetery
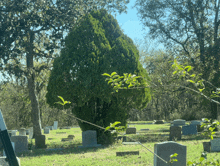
71	146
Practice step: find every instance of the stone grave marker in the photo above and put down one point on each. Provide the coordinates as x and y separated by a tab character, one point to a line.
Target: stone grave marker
179	122
55	125
175	132
196	122
21	143
50	127
89	139
27	131
127	153
189	130
215	145
71	136
131	130
46	131
158	122
31	133
165	149
40	142
22	132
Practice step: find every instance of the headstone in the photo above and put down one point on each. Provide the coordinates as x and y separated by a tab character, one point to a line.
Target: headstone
7	145
130	143
13	132
40	142
195	122
13	145
21	143
22	132
89	139
46	131
31	133
215	145
70	136
175	132
55	125
179	122
3	161
189	130
27	131
122	137
127	153
131	130
50	127
158	122
165	149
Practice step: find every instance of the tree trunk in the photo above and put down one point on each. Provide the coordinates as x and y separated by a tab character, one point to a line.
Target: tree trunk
31	87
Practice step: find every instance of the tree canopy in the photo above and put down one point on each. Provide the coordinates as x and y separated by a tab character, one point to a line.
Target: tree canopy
96	45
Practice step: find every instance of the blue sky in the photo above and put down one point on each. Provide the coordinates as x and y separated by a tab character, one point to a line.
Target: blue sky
130	22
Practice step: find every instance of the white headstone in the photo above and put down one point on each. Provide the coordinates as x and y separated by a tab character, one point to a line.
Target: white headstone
46	131
31	133
89	139
165	149
215	145
179	122
55	125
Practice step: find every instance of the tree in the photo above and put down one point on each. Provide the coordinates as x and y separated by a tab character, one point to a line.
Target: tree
191	29
35	30
96	45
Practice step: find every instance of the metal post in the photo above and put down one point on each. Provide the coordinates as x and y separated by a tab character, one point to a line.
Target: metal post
9	151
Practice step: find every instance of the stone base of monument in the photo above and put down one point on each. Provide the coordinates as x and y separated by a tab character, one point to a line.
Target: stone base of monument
40	142
127	153
6	163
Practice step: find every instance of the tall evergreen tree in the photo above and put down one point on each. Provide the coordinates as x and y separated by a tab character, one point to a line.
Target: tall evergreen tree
96	45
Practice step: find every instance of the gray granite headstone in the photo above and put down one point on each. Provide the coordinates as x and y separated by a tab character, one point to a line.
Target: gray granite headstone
165	149
179	122
46	131
31	133
21	143
22	132
55	125
196	122
175	132
131	130
89	139
189	130
215	145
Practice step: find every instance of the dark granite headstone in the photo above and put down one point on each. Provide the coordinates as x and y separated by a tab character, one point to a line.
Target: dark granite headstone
40	142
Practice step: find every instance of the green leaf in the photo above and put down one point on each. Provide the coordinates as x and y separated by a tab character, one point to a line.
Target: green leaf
115	123
191	81
189	162
106	74
107	128
193	75
114	73
61	98
201	159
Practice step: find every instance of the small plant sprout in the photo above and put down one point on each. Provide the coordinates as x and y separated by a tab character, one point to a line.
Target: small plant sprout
63	102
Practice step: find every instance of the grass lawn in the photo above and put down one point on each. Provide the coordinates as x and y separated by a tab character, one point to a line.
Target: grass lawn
71	155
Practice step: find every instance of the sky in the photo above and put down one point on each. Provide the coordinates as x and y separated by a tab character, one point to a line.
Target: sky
131	23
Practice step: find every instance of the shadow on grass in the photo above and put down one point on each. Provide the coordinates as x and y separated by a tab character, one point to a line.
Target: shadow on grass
70	149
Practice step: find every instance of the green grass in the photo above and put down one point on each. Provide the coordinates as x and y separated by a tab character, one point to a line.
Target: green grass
106	156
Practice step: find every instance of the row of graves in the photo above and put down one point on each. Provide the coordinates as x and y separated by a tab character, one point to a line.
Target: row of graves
89	139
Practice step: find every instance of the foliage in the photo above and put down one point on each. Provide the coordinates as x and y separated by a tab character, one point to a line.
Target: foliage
96	45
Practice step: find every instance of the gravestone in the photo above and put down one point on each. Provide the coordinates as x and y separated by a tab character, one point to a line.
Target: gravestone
189	130
158	122
27	131
31	133
46	131
165	149
13	132
50	127
71	136
40	142
195	122
21	143
215	145
89	139
22	132
131	130
127	153
175	132
179	122
55	125
13	145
